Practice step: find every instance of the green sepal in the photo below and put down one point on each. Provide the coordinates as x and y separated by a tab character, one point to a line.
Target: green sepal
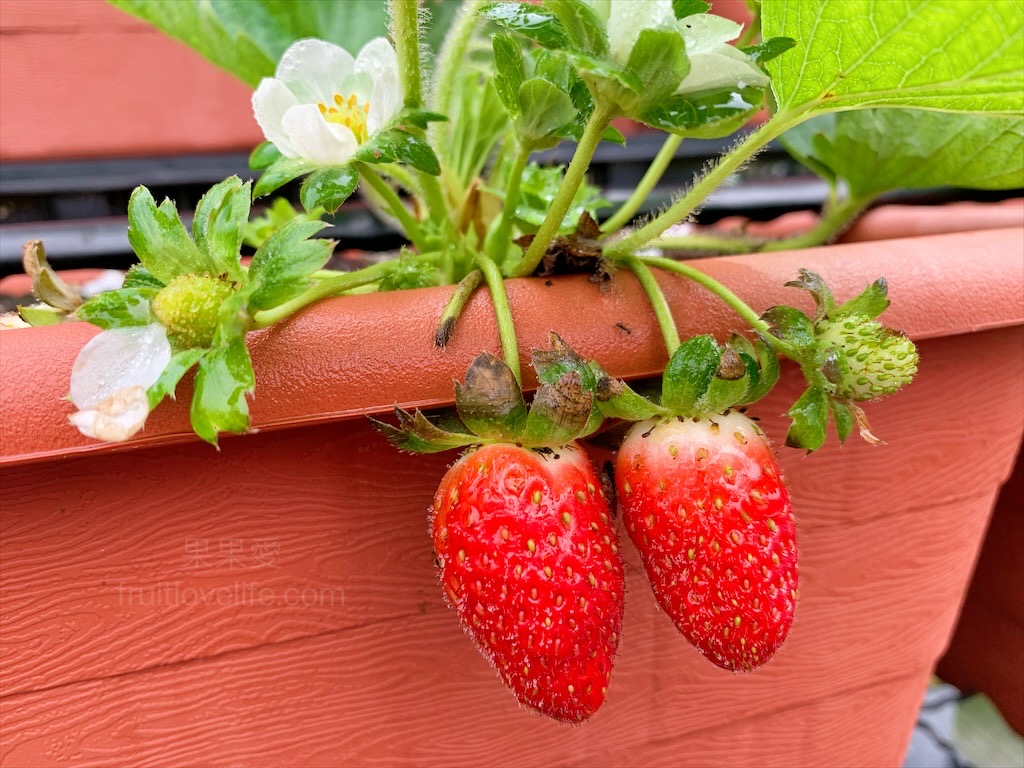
871	302
38	315
180	363
122	308
219	225
768	49
491	403
767	364
559	412
418	118
689	374
279	173
843	415
264	155
552	364
138	276
396	146
813	283
543	109
161	241
47	285
659	61
224	381
792	326
585	30
617	400
534	22
735	376
328	188
810	419
601	69
684	8
234	319
417	434
707	114
510	71
280	268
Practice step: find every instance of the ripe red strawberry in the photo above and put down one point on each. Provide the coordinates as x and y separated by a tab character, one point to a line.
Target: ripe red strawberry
530	561
704	503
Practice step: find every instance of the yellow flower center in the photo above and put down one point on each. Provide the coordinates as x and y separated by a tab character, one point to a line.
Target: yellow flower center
348	112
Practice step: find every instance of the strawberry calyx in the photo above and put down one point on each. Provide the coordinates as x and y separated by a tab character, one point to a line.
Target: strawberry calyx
846	355
490	407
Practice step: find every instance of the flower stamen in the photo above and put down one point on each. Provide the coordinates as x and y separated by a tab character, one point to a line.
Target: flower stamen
348	112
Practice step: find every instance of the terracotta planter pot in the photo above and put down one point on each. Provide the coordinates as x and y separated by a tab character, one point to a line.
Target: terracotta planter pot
276	604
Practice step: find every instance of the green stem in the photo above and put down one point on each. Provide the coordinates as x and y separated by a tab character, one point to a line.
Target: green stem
599	120
704	243
734	302
503	314
659	304
328	287
646	185
406	32
707	184
498	240
394	203
453	55
455	305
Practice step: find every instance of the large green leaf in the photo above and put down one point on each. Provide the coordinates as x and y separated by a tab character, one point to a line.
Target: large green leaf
877	150
947	55
280	268
247	37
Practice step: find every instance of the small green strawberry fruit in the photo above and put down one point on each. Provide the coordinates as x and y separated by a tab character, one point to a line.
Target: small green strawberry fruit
189	308
872	361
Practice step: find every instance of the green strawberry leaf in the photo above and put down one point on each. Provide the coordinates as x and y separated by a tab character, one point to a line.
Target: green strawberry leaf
491	403
684	8
510	71
279	173
810	419
328	188
945	55
534	22
138	276
160	240
180	363
119	309
219	225
869	304
396	146
843	416
264	155
689	374
280	268
223	382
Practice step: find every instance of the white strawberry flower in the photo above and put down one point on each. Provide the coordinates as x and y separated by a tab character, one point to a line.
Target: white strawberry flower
110	377
322	104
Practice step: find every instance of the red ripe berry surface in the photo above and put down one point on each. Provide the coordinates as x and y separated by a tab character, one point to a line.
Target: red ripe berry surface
530	561
705	505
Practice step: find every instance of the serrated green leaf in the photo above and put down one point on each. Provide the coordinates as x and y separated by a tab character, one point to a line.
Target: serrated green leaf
946	55
543	109
705	114
583	27
160	240
219	225
531	21
281	266
659	61
395	146
491	403
791	325
328	188
279	173
770	49
878	150
120	308
868	304
263	156
843	416
509	71
684	8
689	374
224	380
179	365
138	276
810	420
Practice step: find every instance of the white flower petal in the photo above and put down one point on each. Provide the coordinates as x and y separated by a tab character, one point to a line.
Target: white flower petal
704	32
602	8
270	102
314	69
116	418
386	101
725	69
377	58
117	359
316	140
628	18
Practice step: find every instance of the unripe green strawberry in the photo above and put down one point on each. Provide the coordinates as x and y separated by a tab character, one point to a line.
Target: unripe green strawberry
872	361
189	308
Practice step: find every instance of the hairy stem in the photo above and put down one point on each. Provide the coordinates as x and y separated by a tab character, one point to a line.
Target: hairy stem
393	202
599	120
498	240
452	56
659	304
646	185
463	291
503	314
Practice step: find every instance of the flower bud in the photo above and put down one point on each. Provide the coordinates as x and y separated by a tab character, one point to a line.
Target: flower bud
189	308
